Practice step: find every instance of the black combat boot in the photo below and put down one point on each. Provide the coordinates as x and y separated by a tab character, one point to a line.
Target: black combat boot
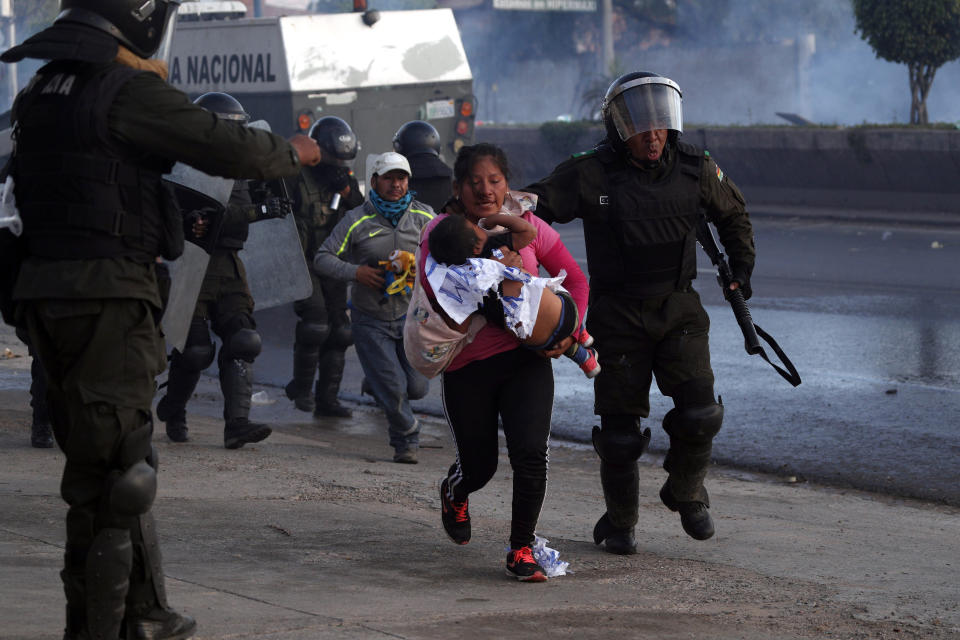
148	616
41	436
236	383
621	488
619	541
159	624
619	443
172	408
328	384
73	576
694	516
304	366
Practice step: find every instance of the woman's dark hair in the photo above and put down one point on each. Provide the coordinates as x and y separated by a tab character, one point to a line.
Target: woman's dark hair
468	156
452	240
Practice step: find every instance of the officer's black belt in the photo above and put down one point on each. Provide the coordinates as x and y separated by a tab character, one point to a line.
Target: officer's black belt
79	165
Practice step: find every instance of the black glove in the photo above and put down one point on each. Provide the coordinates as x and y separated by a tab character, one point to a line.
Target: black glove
274	208
741	274
192	218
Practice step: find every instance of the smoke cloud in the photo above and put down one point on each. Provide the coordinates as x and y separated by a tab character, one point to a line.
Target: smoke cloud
739	70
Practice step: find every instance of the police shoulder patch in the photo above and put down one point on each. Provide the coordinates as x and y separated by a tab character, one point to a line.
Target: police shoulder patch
719	174
583	154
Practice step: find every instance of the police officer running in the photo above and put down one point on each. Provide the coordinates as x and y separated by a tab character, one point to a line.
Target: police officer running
640	194
225	303
95	130
432	180
321	197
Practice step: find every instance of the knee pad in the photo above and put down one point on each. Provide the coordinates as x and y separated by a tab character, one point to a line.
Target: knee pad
243	345
312	332
694	424
134	485
620	439
196	357
341	336
133	492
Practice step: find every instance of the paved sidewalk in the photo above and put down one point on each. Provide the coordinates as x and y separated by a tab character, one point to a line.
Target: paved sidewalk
315	533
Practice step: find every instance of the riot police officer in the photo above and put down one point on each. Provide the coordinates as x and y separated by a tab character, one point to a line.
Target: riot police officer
321	196
226	305
97	127
641	193
41	435
432	180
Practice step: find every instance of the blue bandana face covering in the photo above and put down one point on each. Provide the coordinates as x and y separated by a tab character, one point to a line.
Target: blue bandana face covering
392	211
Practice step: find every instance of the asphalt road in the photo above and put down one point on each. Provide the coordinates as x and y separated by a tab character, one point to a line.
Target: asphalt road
869	312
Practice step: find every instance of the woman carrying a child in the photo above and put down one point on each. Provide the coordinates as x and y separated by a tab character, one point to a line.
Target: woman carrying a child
495	376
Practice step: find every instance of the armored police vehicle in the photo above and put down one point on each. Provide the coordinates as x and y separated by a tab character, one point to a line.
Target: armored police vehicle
376	70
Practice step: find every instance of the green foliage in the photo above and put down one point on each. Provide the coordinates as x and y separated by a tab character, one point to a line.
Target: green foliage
925	32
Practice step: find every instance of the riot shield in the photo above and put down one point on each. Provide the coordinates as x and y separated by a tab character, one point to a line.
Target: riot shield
195	191
272	256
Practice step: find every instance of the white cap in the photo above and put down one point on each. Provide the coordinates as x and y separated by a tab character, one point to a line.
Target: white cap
389	161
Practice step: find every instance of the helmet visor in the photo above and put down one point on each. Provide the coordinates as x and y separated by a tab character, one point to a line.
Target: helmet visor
169	26
646	106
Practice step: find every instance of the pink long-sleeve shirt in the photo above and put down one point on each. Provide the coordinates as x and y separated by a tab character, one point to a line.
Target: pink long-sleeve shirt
547	250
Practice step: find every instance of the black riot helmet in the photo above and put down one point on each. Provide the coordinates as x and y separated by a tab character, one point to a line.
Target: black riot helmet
338	143
224	105
138	24
417	137
641	101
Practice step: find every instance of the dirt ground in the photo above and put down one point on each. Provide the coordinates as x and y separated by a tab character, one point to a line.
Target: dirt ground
315	533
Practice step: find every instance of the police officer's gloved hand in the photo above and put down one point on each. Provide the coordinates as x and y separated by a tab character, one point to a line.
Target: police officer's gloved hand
274	208
341	179
196	222
741	275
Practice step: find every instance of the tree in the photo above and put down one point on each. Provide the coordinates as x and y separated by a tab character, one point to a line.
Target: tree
923	34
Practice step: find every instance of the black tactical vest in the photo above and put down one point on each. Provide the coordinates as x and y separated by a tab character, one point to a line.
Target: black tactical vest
80	194
644	242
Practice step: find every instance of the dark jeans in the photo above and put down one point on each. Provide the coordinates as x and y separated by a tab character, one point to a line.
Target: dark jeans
515	387
393	381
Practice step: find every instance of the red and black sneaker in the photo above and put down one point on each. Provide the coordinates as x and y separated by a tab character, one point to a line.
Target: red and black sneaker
590	366
585	338
455	515
522	566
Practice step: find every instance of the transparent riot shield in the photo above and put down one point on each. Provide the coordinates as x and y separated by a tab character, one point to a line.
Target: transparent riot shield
195	191
272	256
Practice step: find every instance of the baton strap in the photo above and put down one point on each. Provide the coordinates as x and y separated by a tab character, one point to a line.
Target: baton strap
790	374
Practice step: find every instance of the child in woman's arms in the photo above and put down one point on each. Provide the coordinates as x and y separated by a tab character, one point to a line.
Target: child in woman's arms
537	310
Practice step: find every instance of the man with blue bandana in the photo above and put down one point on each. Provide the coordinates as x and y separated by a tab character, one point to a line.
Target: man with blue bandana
389	221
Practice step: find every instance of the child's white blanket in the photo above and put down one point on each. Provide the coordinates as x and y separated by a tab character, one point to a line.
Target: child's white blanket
460	289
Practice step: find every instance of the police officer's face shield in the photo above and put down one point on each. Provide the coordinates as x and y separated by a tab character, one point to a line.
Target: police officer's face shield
168	23
646	104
